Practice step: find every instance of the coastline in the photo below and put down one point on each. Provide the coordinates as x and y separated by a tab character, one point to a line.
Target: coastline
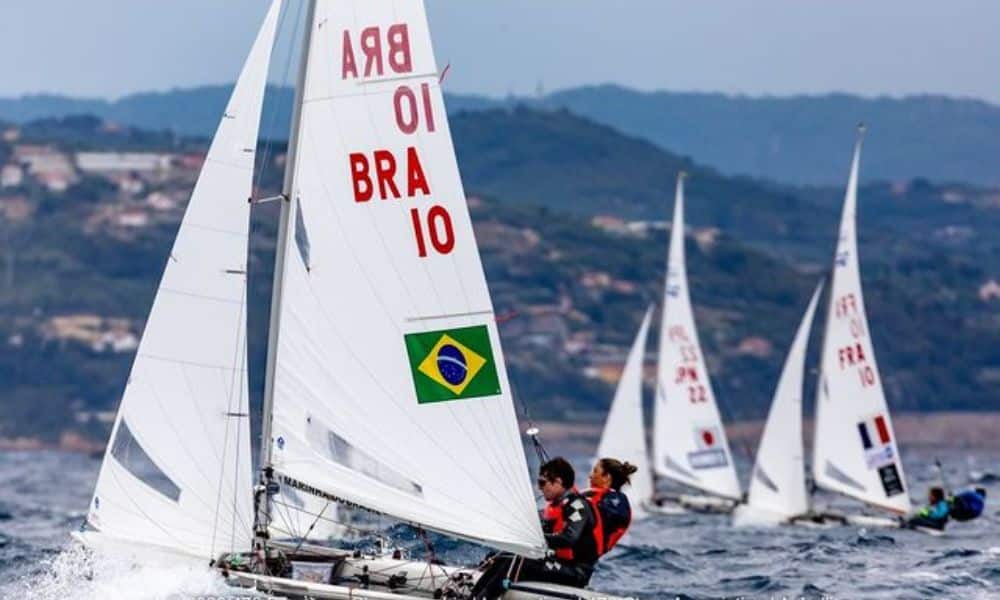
957	430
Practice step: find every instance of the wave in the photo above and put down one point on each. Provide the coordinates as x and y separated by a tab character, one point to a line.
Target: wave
82	574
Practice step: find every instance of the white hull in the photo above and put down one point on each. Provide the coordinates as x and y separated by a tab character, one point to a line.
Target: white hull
745	515
421	581
859	520
690	503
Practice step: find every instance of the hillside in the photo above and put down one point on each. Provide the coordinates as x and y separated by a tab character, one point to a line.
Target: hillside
81	263
798	139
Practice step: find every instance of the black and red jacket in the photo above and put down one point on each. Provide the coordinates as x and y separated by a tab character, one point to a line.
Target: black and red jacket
571	526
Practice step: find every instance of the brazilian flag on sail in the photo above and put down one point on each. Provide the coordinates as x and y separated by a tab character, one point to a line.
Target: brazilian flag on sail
452	364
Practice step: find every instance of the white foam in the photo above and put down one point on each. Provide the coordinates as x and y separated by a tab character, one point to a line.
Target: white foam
922	576
80	574
745	515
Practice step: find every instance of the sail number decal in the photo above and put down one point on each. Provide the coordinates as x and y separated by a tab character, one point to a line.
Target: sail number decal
687	371
377	52
852	355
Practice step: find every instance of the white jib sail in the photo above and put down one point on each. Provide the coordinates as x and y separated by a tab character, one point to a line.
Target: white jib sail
177	470
624	436
391	390
778	481
855	450
689	441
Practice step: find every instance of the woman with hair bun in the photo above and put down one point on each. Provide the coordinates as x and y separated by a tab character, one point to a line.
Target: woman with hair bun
612	510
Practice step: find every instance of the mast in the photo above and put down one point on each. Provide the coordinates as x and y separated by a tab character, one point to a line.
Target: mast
286	221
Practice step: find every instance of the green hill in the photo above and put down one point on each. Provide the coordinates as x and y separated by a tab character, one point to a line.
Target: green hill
577	290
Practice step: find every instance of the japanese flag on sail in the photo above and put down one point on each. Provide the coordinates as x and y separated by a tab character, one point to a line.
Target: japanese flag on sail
710	453
707	437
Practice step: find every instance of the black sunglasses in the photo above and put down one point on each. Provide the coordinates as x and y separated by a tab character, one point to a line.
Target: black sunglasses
542	482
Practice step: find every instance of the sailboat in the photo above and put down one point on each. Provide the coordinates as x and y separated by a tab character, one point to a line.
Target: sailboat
385	388
855	450
690	446
855	453
624	435
778	492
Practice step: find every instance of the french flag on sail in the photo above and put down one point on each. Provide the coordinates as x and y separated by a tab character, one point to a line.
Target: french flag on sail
874	432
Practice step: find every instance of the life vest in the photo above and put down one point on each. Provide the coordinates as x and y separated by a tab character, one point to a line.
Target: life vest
604	541
606	533
966	506
553	516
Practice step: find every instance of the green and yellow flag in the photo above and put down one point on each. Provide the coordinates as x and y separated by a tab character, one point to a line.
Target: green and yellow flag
452	364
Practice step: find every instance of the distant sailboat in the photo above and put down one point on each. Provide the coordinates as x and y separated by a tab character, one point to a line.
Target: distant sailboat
386	388
624	435
689	441
855	451
778	492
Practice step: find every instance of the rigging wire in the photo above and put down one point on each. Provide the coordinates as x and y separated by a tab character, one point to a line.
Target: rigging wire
533	431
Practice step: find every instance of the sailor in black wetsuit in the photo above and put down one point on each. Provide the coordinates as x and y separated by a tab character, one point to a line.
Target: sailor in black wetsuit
569	525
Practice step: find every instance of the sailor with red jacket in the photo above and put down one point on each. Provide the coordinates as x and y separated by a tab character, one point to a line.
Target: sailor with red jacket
571	530
611	506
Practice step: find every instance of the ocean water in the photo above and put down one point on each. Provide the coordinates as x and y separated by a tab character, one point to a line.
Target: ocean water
44	494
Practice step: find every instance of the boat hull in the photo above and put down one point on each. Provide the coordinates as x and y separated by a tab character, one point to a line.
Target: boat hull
383	577
419	585
691	503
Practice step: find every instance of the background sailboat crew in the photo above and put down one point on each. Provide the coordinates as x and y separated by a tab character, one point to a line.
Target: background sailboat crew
935	514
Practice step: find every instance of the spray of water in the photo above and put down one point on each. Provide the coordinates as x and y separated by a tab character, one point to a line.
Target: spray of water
79	573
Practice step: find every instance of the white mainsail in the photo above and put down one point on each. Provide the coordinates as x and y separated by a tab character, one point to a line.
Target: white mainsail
778	481
689	441
177	471
624	436
855	450
390	389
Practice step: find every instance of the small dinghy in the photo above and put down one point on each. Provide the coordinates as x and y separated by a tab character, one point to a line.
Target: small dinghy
854	453
855	450
778	493
690	446
386	389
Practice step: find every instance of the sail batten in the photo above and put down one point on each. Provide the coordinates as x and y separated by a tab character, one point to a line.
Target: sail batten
177	470
855	450
689	441
390	388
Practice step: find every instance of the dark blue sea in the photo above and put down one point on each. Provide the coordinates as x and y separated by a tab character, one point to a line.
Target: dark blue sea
44	494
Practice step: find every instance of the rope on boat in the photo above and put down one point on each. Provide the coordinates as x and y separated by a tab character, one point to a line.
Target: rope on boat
532	431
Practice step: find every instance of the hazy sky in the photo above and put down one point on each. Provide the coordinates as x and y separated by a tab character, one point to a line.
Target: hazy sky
108	48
